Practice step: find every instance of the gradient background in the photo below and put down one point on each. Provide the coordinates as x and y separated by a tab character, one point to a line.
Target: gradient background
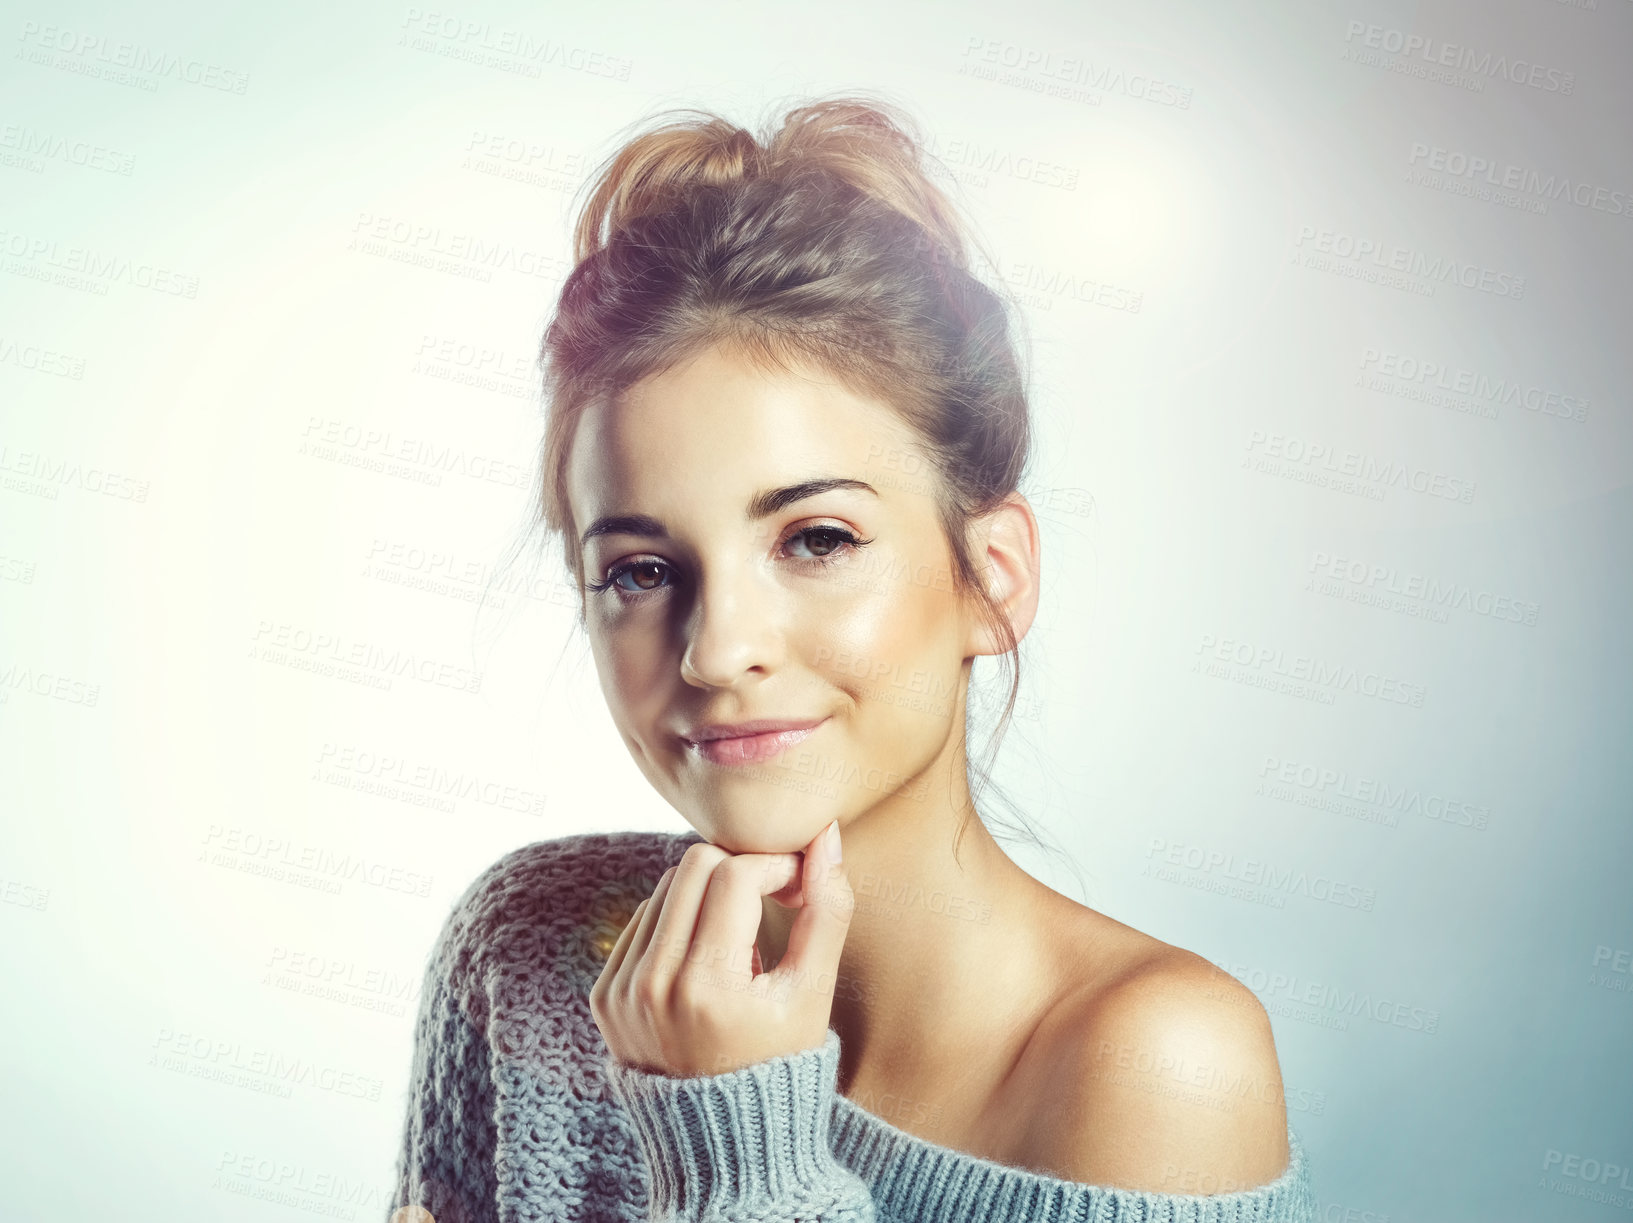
226	236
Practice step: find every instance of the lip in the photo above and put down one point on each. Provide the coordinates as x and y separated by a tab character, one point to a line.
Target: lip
750	742
759	726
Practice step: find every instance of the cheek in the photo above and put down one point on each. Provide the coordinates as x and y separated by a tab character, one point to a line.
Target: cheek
626	663
892	650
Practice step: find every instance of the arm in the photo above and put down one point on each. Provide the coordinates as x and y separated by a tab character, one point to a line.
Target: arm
507	1110
728	1075
445	1163
750	1144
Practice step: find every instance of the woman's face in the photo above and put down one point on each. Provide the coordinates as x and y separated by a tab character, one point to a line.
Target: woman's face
715	614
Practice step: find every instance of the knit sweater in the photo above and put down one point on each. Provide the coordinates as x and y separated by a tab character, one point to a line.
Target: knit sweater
517	1111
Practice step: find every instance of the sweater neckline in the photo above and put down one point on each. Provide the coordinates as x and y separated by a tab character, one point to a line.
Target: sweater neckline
918	1178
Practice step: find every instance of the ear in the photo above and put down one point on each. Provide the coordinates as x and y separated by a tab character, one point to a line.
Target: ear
1007	558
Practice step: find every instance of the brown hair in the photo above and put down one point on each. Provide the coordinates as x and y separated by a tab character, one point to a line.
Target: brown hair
823	242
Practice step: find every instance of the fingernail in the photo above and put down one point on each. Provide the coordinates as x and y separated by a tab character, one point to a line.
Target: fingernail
834	847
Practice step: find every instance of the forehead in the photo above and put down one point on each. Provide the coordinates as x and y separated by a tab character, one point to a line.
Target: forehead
720	428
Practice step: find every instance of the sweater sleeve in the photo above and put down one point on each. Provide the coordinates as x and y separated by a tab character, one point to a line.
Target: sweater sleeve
508	1117
445	1162
748	1145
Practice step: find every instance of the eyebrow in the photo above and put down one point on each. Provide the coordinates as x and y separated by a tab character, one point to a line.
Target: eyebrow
763	504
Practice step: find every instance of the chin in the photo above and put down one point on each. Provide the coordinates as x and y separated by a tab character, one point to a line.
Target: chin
749	843
767	832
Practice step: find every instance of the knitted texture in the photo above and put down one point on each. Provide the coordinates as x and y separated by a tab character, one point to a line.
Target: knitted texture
516	1111
746	1145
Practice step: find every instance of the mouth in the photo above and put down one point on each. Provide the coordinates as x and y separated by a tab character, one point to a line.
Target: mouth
752	748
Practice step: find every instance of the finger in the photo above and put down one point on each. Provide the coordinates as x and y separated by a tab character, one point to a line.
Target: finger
793	895
655	905
817	935
731	911
672	935
630	945
615	957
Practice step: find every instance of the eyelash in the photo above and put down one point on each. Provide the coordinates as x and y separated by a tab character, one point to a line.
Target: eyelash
851	541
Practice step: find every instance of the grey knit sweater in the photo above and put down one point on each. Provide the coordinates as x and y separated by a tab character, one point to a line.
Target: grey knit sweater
516	1111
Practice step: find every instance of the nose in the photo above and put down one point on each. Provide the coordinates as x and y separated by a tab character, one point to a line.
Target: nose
731	628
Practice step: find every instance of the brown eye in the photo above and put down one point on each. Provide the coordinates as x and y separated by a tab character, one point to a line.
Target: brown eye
647	568
826	538
827	544
831	542
650	570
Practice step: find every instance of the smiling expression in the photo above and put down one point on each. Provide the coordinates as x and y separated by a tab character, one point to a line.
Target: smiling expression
766	545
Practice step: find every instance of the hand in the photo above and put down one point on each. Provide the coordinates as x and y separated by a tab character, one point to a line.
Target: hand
680	993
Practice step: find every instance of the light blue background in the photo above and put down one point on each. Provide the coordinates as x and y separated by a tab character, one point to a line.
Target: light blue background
154	1067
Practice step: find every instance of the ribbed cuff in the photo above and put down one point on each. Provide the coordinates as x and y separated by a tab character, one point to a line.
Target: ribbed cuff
754	1136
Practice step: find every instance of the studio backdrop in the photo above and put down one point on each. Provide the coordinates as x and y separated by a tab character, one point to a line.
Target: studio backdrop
1327	308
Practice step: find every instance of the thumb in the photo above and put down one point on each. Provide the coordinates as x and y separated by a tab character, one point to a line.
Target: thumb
818	933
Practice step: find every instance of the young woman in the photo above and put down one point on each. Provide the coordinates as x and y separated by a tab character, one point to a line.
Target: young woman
787	425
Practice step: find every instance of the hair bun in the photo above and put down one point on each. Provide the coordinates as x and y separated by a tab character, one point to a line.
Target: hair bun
876	148
865	142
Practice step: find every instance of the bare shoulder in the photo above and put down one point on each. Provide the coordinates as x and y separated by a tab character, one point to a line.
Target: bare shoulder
1163	1074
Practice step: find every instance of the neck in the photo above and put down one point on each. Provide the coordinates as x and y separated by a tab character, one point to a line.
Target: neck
944	959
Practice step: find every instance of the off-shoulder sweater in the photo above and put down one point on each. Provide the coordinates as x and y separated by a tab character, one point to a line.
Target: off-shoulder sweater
517	1111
